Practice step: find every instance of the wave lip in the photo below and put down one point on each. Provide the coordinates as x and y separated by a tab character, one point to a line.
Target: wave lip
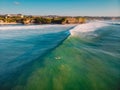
88	27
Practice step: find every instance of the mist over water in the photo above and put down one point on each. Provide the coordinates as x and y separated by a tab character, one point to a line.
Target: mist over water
89	59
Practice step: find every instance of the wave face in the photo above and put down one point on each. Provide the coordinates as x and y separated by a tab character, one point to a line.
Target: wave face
20	47
89	59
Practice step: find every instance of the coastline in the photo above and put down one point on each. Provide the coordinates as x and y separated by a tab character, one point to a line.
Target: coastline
33	24
10	23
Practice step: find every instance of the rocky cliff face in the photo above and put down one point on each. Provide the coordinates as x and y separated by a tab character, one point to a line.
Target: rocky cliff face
42	20
74	21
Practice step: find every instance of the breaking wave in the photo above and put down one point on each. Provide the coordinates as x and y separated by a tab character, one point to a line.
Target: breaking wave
88	27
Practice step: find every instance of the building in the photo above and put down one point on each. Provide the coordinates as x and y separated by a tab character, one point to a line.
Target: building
14	15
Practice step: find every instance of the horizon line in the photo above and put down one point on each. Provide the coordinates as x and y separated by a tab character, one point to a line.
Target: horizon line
59	15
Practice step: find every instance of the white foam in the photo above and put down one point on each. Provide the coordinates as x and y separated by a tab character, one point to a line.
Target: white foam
88	27
110	21
113	22
21	27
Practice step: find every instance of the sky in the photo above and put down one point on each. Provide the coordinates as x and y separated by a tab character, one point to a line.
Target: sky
61	7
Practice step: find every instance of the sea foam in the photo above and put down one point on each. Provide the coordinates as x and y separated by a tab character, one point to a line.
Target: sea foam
22	27
87	27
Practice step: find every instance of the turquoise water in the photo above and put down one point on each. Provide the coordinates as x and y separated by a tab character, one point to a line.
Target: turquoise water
56	60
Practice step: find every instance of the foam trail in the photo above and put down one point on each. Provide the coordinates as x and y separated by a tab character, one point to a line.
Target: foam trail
114	23
111	22
88	27
21	27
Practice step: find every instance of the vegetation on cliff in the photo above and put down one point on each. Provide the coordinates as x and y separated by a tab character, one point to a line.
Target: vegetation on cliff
41	20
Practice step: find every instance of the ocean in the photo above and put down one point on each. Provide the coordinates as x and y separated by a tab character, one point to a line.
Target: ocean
60	57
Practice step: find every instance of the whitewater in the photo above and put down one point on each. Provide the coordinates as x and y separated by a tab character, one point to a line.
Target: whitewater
60	57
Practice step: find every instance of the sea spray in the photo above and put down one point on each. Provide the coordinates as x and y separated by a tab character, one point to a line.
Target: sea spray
88	27
31	27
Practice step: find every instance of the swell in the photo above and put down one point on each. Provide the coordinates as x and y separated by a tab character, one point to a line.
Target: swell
80	66
19	64
74	63
40	45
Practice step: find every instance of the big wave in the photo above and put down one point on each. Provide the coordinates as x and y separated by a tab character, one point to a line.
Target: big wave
87	27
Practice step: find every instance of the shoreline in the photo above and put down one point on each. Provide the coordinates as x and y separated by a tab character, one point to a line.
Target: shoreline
10	23
33	24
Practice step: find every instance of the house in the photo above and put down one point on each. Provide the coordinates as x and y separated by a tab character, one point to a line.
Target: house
14	15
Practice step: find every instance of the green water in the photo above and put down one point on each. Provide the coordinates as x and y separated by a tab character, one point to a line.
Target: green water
89	61
77	64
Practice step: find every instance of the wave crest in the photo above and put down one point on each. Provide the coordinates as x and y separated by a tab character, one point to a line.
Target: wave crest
88	27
